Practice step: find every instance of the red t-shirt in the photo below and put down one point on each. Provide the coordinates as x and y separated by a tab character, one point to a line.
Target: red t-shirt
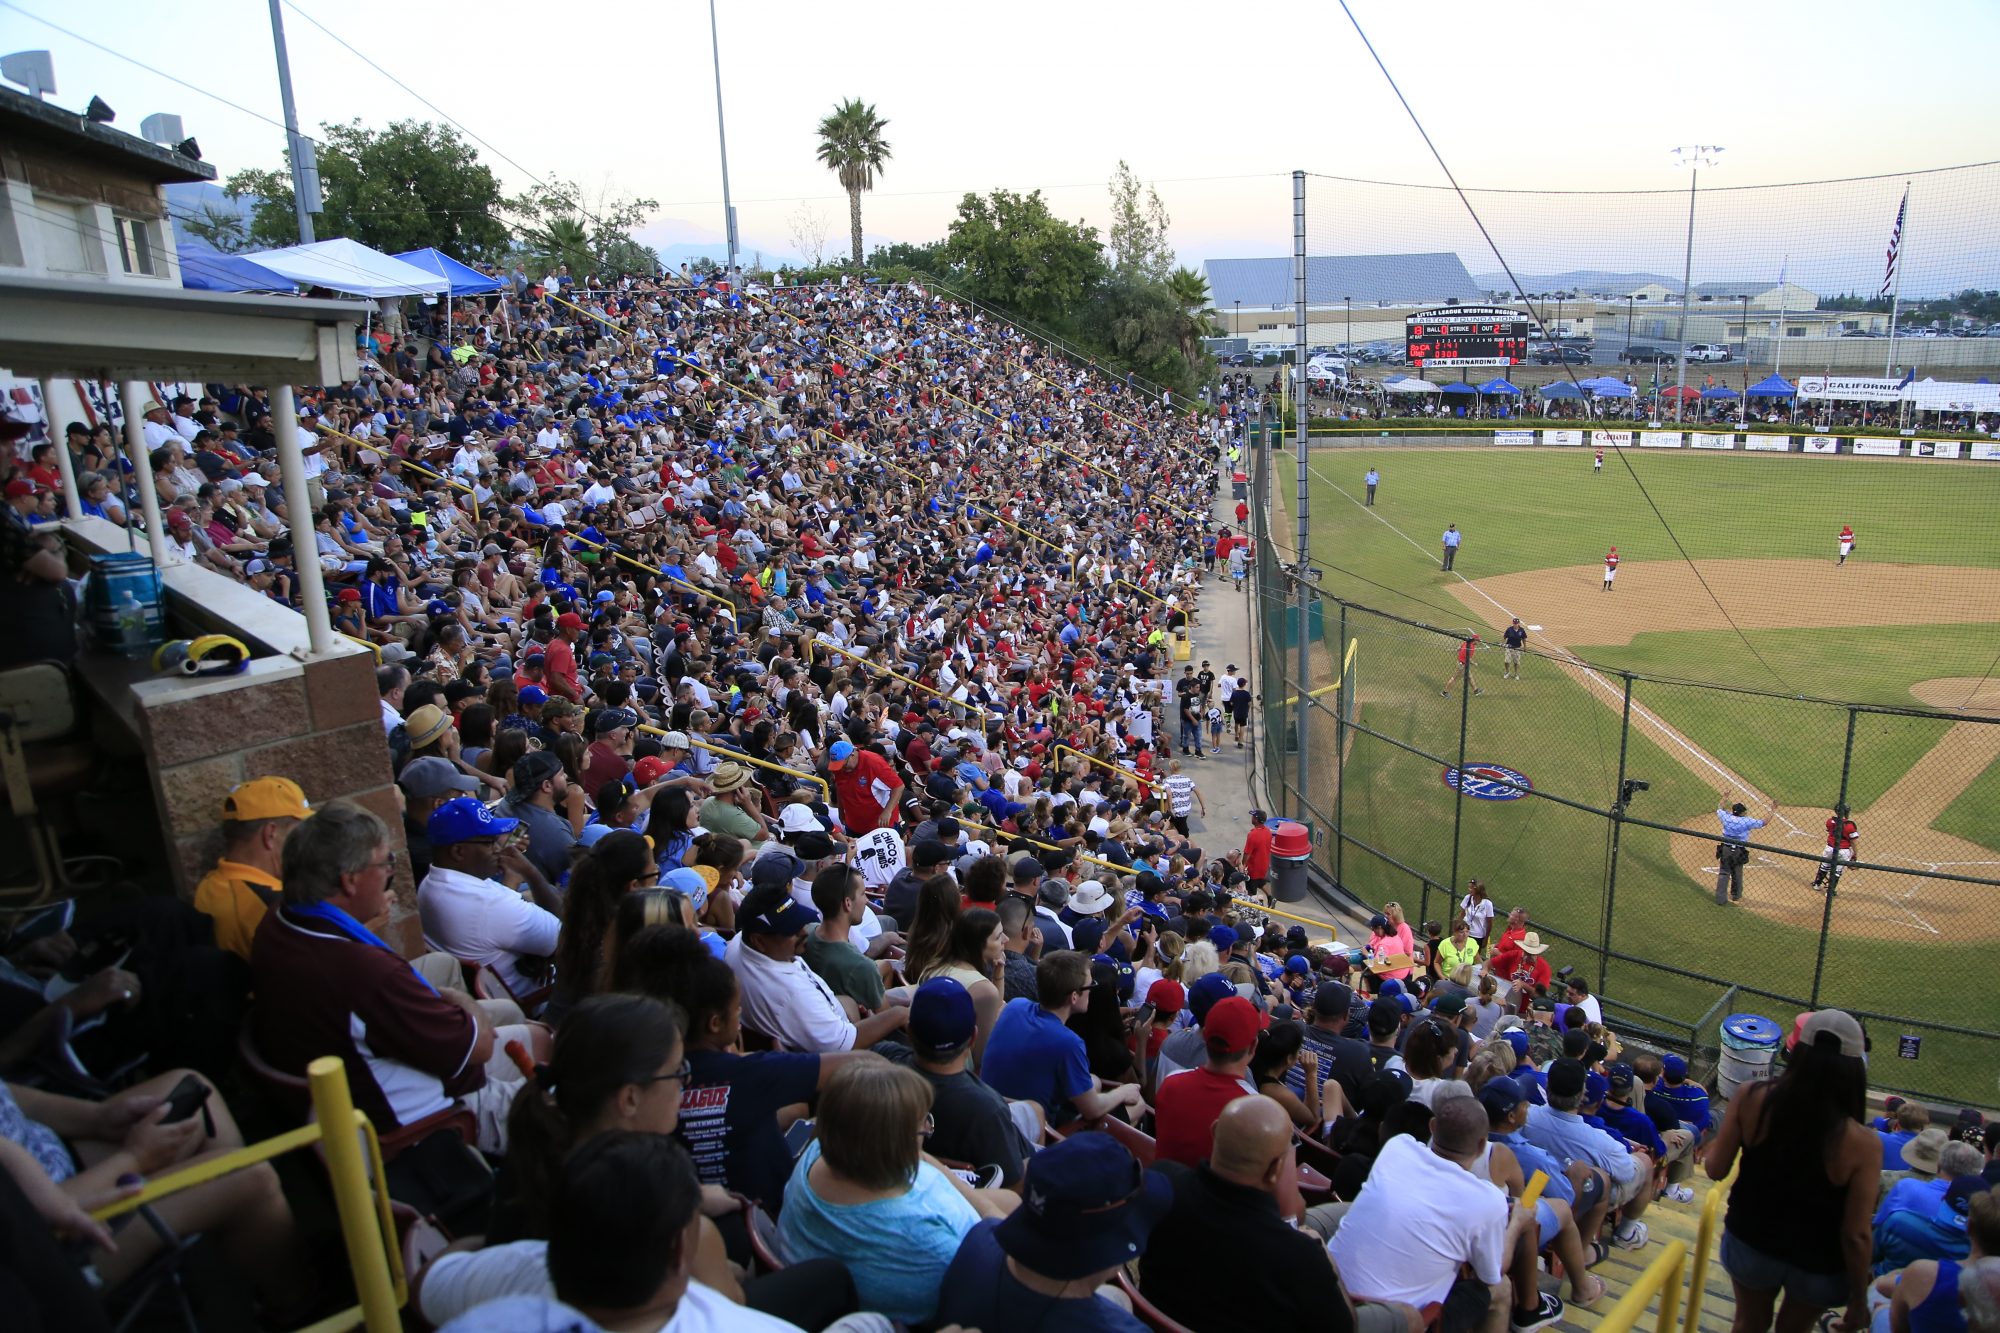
855	790
559	669
1257	852
1840	833
1465	651
1185	1111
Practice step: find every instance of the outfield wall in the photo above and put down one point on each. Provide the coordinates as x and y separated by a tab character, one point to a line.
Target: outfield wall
1409	794
1362	436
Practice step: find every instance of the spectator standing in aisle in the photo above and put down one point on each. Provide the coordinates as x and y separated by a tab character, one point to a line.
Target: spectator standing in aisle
1797	1224
1257	856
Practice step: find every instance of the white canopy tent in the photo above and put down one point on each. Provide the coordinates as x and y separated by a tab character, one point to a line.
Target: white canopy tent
1930	395
1408	384
344	265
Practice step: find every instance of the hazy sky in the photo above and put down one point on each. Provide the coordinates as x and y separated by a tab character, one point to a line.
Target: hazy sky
1553	94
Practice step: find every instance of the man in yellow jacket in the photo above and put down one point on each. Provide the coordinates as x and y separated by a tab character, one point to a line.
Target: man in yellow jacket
257	817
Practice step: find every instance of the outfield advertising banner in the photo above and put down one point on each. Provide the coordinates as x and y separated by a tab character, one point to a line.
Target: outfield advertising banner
1986	449
1708	439
1883	448
1935	449
1611	439
1852	388
1562	437
1770	444
1659	439
1513	437
1820	444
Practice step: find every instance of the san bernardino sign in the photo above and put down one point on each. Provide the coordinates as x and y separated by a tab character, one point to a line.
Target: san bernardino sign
1489	782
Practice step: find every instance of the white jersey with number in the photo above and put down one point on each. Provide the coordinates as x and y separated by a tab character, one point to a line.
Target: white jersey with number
878	855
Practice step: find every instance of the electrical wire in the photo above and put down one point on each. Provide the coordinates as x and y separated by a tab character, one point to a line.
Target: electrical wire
1541	315
1713	189
150	69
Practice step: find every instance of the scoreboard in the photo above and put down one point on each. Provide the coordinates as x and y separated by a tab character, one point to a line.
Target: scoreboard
1467	335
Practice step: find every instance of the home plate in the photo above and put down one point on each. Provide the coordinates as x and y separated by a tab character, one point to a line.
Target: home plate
1537	629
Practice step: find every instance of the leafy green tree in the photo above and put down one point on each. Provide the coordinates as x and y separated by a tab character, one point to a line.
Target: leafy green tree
851	146
557	225
220	228
1012	251
410	185
928	258
1140	323
1138	236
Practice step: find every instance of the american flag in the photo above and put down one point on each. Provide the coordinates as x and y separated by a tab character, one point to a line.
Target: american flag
1895	243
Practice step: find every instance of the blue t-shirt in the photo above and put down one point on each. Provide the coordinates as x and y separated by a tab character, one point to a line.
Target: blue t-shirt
729	1117
979	1292
1031	1056
896	1249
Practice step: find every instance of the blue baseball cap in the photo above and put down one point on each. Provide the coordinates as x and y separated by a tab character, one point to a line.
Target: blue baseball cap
1674	1066
841	751
462	819
1596	1088
942	1019
1392	987
1518	1039
1207	992
1223	938
1299	965
593	834
1500	1096
534	694
605	595
1127	977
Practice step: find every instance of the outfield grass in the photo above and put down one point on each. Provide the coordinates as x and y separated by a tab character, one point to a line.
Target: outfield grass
1530	510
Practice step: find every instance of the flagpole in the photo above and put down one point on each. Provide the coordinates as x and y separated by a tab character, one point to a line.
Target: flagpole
1896	300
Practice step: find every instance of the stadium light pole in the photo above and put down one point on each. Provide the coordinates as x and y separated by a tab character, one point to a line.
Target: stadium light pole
722	142
1350	327
296	150
1694	159
1301	501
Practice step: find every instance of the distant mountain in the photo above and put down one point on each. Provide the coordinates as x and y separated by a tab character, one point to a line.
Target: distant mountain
1582	281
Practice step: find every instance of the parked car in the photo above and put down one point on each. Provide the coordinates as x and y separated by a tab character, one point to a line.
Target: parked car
1708	352
1241	359
1639	353
1557	355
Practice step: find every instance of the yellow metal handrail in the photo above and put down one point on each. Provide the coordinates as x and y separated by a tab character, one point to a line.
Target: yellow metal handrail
738	757
1112	866
813	641
1662	1278
722	603
365	1222
1129	774
1704	1246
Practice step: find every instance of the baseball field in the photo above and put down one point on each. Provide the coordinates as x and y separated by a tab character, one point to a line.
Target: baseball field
1745	637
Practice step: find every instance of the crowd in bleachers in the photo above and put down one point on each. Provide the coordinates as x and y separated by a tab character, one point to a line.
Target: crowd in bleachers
925	1002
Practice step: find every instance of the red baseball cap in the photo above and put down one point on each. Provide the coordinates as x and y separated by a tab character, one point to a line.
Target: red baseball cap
20	486
569	620
1233	1024
650	770
1166	995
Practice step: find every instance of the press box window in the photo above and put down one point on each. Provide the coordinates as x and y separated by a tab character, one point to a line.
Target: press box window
135	246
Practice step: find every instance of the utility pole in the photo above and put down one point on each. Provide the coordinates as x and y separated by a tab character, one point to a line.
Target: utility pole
722	141
305	168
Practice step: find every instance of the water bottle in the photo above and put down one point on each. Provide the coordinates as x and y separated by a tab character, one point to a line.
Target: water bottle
132	638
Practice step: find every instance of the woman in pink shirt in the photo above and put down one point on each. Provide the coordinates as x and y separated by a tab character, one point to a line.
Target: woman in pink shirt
1392	936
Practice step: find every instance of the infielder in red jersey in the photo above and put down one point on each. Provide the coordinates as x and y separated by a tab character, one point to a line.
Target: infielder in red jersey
1610	567
1846	542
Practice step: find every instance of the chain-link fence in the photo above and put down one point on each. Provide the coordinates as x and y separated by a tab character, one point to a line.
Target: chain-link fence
1596	809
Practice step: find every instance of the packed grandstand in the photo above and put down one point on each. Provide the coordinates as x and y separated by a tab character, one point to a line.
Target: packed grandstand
796	767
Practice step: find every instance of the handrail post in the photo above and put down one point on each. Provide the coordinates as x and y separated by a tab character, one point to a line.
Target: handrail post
333	1104
1704	1246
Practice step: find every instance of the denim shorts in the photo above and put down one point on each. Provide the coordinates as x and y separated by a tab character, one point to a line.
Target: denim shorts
1760	1272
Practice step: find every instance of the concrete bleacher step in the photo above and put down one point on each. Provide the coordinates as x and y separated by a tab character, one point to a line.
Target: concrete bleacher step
1620	1269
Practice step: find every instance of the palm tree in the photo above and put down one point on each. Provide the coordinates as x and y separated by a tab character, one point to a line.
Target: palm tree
852	148
563	240
1190	292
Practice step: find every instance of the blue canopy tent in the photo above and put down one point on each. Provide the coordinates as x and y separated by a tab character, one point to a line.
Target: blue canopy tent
206	269
1459	388
1606	387
1561	389
1719	393
1498	386
464	280
1773	386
